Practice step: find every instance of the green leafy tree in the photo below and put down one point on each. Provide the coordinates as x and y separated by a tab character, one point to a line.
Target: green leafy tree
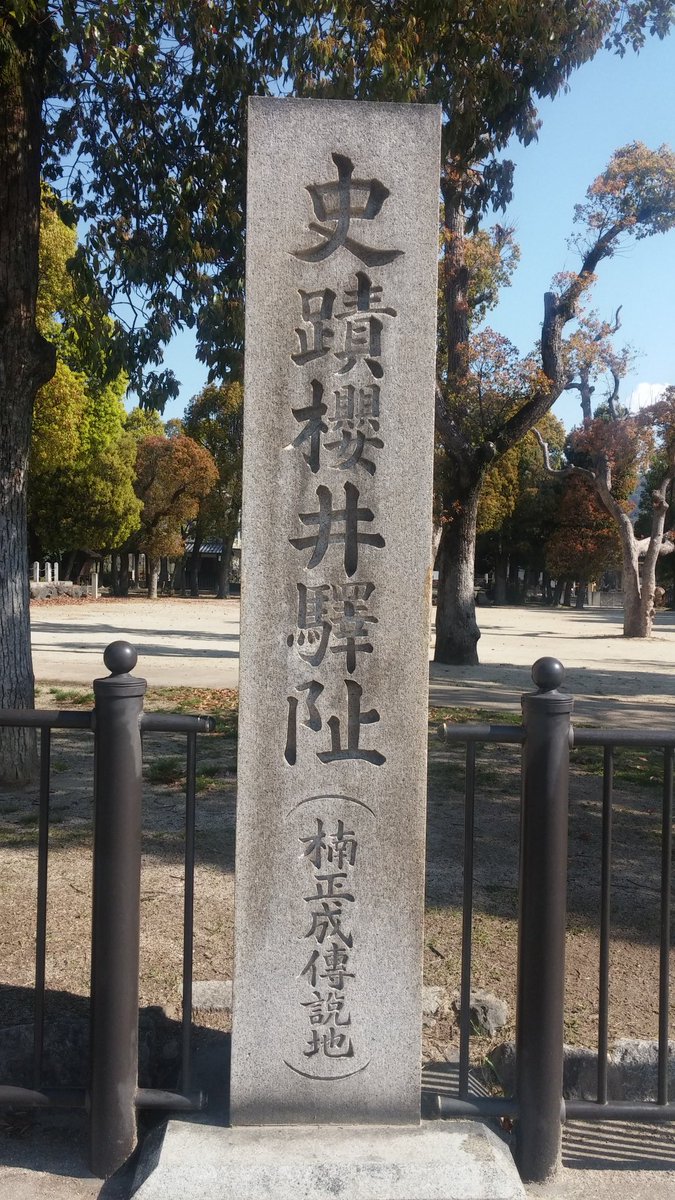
150	98
142	423
446	53
139	110
214	418
90	505
516	509
81	493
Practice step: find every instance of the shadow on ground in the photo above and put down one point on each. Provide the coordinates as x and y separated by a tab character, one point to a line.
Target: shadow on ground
56	1141
618	1146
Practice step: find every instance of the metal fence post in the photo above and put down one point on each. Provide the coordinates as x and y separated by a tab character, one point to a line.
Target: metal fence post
116	910
541	932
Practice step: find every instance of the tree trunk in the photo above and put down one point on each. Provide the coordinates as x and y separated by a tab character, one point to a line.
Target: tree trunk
456	283
164	574
195	563
582	593
586	390
637	616
638	595
436	532
567	593
224	568
153	576
513	585
178	581
123	576
501	572
27	362
457	633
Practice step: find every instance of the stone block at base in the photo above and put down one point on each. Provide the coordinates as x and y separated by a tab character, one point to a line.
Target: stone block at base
462	1160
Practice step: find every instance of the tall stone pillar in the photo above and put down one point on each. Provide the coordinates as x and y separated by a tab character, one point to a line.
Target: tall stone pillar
341	294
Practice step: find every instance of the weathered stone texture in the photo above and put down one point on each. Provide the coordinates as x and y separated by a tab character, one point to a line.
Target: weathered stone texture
340	345
459	1161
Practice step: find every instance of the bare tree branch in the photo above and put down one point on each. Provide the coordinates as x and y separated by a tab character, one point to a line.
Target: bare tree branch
447	427
560	472
613	396
615	327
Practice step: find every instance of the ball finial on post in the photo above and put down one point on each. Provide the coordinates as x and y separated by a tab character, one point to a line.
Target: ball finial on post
120	657
548	674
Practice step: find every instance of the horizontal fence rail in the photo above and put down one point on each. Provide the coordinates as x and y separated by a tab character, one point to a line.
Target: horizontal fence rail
537	1105
113	1097
45	718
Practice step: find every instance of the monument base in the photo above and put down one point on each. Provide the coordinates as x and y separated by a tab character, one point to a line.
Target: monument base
462	1160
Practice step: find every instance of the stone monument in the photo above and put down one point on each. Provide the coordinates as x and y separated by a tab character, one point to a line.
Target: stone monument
341	297
342	249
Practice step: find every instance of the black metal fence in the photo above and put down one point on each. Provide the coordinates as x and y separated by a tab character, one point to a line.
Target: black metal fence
113	1097
546	736
537	1106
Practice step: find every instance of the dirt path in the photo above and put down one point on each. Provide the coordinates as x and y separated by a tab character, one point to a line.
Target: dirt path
178	641
197	641
613	679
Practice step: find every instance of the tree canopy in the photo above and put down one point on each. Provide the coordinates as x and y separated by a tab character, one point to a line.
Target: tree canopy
81	461
610	455
491	398
486	64
135	112
144	135
172	476
516	509
214	418
584	541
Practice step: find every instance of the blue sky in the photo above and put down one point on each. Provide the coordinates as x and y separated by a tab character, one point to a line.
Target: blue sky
610	102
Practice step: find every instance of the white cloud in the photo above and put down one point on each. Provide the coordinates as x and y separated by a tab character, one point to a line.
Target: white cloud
644	394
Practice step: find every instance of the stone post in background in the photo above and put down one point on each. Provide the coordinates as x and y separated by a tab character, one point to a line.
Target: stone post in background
342	251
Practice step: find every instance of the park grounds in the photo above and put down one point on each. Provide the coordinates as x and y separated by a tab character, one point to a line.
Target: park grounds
188	651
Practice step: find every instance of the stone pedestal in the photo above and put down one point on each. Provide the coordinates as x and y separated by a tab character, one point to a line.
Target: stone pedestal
461	1161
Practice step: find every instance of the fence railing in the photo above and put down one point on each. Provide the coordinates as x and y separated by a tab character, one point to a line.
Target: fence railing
546	736
537	1106
113	1097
